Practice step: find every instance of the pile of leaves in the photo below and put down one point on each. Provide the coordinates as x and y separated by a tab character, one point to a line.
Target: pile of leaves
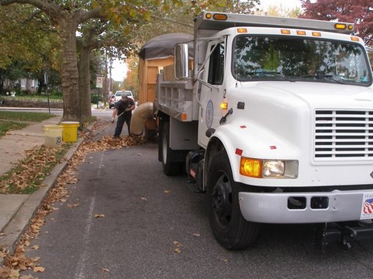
17	262
29	174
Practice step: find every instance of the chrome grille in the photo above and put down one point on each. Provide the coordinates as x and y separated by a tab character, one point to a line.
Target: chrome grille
343	134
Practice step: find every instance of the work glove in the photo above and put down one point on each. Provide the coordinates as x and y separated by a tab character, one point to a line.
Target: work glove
112	120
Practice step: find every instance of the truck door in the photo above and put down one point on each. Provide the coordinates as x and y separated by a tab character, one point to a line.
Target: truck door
212	90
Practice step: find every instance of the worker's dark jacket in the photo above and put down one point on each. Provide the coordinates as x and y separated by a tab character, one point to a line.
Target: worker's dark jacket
121	106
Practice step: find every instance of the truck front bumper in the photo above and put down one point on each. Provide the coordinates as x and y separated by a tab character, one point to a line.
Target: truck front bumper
307	207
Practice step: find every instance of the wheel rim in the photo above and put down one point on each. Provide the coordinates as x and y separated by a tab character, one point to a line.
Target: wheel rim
222	201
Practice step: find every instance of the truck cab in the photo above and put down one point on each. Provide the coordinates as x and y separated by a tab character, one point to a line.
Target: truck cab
276	122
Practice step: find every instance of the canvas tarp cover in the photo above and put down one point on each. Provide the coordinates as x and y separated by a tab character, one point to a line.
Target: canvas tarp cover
163	46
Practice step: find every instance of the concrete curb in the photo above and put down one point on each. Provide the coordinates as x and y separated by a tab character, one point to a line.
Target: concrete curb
21	220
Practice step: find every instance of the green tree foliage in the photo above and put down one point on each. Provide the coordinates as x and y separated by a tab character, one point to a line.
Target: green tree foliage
28	46
358	11
68	16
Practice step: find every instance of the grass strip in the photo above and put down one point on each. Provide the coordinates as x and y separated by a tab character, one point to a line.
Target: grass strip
25	116
6	126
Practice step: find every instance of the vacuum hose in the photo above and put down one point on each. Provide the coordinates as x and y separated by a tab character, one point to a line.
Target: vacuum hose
139	117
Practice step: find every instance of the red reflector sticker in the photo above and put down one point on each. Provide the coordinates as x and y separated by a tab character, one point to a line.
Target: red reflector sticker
239	151
243	127
273	147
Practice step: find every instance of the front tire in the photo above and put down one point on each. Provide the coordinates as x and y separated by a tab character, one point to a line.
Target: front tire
229	227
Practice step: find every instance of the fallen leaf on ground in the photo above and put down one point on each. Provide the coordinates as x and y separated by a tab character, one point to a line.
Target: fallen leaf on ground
27	277
99	216
177	243
73	205
39	269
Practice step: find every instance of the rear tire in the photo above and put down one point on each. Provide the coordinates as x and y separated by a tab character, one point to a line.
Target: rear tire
169	167
229	227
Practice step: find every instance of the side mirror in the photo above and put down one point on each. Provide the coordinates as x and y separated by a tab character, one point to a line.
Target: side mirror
181	58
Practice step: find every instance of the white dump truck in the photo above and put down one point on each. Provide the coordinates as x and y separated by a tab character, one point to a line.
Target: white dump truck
273	120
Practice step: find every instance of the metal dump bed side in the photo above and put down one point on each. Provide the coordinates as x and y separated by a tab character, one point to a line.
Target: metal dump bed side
175	98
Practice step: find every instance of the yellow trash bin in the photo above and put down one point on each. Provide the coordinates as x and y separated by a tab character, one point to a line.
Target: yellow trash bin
70	131
53	135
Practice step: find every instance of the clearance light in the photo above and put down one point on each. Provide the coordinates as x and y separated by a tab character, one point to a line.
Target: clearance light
220	17
224	105
316	34
184	116
355	39
340	26
301	33
251	167
350	27
241	30
208	16
285	32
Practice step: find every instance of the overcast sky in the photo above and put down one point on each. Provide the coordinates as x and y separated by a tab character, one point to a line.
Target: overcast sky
285	3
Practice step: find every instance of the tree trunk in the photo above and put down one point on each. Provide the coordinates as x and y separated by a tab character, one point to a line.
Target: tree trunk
69	75
84	84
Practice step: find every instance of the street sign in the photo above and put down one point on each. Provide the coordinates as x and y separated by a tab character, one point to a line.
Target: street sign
99	82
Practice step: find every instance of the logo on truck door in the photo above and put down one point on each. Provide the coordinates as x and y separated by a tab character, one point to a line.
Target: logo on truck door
209	114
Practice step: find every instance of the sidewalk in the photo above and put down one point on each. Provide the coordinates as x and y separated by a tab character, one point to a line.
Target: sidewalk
17	210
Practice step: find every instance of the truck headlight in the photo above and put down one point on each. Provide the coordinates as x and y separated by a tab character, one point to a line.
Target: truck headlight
269	168
273	168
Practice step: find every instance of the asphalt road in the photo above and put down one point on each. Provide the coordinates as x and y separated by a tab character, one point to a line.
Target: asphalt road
154	226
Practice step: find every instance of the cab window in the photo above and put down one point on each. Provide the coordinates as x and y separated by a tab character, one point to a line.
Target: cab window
216	65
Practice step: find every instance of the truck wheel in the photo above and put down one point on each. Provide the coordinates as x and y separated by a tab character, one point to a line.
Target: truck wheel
169	167
229	227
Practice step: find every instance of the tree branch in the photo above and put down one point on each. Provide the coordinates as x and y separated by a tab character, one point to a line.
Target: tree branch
86	15
45	6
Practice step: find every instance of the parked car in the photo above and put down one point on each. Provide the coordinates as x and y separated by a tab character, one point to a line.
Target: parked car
112	101
118	94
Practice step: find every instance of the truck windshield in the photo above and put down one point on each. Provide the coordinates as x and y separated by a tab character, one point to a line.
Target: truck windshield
299	59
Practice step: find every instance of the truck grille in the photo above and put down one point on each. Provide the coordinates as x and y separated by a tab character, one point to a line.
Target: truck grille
344	134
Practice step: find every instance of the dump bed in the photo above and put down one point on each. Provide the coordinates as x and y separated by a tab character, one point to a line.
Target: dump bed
175	98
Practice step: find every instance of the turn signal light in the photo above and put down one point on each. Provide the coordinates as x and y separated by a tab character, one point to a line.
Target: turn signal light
224	105
251	167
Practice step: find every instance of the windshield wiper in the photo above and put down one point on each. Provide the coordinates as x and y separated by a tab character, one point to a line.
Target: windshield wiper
322	77
267	74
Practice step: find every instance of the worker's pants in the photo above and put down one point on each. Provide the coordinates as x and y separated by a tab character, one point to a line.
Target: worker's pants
125	117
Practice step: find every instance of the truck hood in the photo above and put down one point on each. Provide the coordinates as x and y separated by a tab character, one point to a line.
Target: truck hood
315	95
283	114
